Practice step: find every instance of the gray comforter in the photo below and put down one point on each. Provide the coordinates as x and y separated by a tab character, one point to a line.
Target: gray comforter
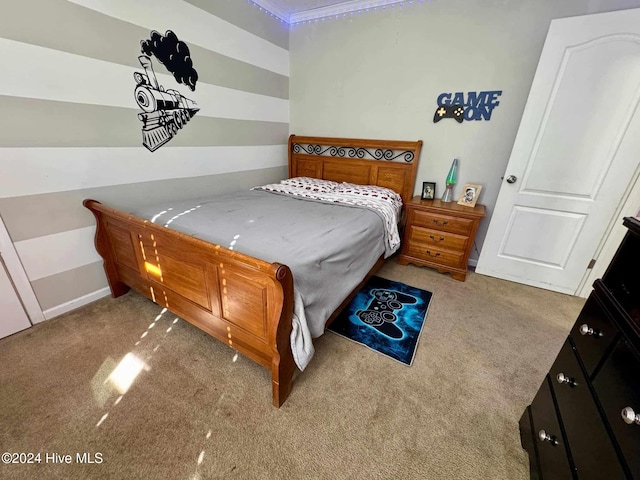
329	248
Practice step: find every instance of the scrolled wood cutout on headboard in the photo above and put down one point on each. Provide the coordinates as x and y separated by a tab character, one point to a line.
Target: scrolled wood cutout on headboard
386	163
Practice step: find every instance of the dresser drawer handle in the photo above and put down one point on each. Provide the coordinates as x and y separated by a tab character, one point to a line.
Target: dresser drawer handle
562	378
587	330
545	437
630	417
437	222
432	255
435	239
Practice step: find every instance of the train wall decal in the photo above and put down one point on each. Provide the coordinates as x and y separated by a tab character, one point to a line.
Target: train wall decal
164	111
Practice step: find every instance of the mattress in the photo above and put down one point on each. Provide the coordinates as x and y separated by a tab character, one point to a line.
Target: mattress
329	247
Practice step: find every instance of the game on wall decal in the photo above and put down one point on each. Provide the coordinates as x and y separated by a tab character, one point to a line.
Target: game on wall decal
474	106
165	112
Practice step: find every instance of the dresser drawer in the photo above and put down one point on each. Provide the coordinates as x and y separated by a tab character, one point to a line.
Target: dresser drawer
593	333
594	455
426	238
435	255
552	454
618	389
527	439
445	223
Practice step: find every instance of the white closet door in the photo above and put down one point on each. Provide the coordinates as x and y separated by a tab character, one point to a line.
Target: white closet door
13	318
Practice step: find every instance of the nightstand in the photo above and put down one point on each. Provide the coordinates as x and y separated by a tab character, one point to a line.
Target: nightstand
440	235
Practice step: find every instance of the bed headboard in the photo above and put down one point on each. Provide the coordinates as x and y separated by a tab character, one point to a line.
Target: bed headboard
386	163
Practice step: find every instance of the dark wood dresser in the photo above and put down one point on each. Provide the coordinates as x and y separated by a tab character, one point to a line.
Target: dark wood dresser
584	422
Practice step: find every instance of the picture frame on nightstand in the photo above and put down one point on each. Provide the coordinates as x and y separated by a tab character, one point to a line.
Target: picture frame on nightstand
428	190
470	194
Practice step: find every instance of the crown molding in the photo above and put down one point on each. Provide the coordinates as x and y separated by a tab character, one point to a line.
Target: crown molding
272	9
344	8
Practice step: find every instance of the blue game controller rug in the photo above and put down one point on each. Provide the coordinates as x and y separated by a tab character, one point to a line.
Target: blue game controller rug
385	316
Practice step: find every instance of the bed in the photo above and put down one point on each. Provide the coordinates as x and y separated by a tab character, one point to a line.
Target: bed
245	301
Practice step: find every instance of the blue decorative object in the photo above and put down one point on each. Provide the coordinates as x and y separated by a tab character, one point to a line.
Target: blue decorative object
475	105
385	316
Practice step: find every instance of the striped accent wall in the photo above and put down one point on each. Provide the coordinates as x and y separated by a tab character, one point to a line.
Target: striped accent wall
69	128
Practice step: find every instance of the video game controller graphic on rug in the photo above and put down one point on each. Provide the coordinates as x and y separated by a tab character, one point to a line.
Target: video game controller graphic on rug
380	312
449	111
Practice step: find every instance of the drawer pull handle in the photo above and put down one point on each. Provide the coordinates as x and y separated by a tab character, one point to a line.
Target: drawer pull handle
587	330
562	378
436	240
629	416
437	222
432	255
545	437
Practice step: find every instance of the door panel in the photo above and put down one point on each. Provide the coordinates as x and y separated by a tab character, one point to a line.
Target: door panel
549	246
574	154
582	107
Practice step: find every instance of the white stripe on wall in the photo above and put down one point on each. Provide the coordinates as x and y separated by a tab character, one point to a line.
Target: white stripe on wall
193	25
52	254
97	82
46	170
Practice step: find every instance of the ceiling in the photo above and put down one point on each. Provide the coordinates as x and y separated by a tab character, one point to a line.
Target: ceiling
295	11
297	6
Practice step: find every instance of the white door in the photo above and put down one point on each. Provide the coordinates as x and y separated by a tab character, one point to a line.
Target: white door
576	152
12	316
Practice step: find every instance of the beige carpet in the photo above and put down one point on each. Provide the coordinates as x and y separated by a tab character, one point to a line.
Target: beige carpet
196	411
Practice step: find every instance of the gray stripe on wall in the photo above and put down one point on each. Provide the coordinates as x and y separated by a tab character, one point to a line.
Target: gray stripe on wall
246	16
33	216
70	285
28	122
60	25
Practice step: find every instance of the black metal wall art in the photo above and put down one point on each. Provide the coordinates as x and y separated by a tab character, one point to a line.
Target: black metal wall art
164	112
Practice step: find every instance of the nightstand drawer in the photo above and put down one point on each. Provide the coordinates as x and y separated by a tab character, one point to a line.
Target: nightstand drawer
435	255
445	223
425	237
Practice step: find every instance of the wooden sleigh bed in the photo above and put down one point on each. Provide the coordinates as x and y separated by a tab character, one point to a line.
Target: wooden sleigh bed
238	299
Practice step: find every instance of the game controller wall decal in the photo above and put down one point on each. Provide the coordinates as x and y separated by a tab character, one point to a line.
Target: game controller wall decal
449	111
473	106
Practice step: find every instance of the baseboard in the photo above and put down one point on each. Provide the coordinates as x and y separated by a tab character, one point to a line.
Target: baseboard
76	303
472	262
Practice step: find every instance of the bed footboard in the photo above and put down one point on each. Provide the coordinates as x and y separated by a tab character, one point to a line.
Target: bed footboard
243	301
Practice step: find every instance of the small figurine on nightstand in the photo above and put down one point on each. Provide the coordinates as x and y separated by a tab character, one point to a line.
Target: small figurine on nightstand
447	196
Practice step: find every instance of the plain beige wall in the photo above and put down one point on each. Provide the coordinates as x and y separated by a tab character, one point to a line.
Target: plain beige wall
378	75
